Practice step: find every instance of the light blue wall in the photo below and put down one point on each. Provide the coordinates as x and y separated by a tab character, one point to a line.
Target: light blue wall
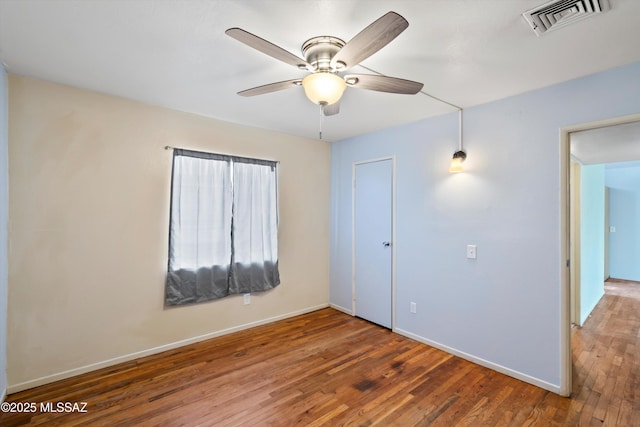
4	213
504	307
623	181
592	229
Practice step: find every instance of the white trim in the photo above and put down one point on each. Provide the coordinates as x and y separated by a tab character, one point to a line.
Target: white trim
393	233
353	238
393	244
341	308
566	367
155	350
482	362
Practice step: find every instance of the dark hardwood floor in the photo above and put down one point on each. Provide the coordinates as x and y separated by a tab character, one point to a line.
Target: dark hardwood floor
328	368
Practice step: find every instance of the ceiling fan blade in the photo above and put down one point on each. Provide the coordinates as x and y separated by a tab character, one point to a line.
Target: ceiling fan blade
370	40
267	48
383	83
331	109
271	87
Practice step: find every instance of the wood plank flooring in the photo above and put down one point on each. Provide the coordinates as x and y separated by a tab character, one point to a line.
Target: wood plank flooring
328	368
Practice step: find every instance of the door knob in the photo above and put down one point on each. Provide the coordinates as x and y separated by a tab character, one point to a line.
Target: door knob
386	244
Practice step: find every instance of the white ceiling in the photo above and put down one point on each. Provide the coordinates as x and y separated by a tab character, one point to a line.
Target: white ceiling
174	53
609	144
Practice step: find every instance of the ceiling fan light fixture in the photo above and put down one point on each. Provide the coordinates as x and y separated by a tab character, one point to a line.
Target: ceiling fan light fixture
323	87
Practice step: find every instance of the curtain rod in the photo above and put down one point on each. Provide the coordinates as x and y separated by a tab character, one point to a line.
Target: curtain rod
169	147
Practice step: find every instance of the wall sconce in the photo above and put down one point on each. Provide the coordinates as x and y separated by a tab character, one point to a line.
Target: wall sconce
459	156
456	161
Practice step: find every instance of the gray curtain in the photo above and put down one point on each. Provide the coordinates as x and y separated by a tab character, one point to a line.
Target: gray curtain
223	236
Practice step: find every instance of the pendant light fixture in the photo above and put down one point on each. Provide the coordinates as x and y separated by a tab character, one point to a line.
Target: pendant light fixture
459	156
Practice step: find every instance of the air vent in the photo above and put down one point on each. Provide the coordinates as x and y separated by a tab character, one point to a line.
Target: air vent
558	13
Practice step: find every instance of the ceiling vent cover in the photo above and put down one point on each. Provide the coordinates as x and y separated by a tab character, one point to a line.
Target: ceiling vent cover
558	13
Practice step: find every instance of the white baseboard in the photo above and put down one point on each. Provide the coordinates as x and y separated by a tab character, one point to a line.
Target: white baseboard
14	388
479	361
342	309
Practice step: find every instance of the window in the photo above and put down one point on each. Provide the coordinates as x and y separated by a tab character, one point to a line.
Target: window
223	236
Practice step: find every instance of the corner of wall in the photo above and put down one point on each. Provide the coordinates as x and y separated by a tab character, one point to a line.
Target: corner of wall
4	210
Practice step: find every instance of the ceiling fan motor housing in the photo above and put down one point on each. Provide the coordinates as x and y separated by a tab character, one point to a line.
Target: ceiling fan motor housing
318	51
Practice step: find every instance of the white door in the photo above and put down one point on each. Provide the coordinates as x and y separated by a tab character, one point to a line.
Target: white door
373	216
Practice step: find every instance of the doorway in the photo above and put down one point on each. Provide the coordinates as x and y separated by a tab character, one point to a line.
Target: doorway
571	294
373	240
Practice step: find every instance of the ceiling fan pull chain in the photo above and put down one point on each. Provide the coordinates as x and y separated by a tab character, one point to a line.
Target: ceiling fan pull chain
321	118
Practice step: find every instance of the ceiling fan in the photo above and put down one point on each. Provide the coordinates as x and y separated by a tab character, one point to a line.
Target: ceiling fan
327	57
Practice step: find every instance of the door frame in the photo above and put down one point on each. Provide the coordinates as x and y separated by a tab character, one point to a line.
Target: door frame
574	246
566	368
393	234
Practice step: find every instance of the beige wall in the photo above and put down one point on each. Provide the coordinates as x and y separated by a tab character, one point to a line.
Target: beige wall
89	201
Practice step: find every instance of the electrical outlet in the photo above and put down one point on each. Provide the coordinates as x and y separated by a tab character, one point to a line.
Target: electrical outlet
247	299
612	229
412	307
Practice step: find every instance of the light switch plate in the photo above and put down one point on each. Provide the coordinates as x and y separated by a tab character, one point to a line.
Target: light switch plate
472	251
